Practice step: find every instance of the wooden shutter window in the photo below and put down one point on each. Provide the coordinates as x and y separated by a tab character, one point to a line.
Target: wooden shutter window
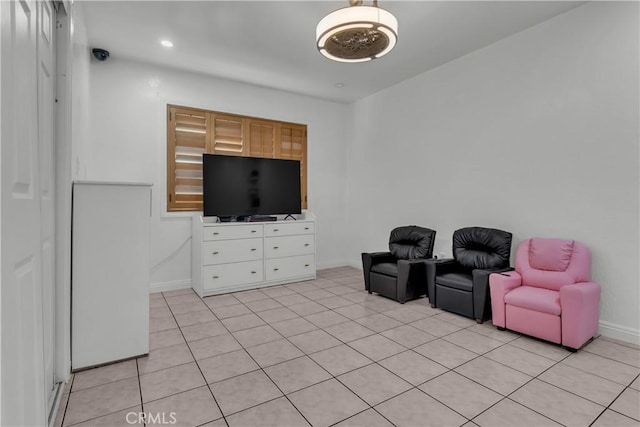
187	131
227	135
192	132
262	138
293	145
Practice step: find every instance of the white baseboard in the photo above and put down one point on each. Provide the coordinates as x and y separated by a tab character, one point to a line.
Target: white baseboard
619	332
341	263
330	264
355	264
169	286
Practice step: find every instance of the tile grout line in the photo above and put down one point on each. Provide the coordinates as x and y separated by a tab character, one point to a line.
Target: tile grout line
140	389
608	407
556	362
607	357
522	386
503	396
308	355
259	368
304	354
470	379
506	397
197	365
66	406
179	327
373	362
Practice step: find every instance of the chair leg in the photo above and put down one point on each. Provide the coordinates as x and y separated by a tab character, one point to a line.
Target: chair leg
479	321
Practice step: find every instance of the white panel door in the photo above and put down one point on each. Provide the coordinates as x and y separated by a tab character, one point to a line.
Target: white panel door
45	34
23	388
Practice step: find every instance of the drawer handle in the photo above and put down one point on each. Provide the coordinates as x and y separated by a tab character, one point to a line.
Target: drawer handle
276	269
215	233
215	253
253	249
253	231
216	277
275	229
306	228
306	265
253	272
306	244
275	247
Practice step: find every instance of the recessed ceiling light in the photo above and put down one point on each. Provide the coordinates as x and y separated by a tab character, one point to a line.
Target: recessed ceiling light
339	84
166	43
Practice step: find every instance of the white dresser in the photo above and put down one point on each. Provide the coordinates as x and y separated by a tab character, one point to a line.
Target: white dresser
228	257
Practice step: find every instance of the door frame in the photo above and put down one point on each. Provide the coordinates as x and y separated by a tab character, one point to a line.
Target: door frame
64	70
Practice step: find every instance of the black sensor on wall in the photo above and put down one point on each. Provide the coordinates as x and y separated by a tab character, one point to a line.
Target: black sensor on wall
236	186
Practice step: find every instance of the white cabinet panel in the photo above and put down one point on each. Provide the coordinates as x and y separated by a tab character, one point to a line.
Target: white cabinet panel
285	268
289	228
224	251
277	247
225	275
232	231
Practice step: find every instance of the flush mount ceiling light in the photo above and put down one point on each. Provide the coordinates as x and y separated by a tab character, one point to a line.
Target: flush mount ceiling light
357	33
166	43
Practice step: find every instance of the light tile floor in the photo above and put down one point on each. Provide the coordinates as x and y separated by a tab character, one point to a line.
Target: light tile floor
325	352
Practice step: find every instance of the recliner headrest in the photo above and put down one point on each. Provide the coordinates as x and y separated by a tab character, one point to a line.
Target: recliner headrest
411	242
484	248
550	254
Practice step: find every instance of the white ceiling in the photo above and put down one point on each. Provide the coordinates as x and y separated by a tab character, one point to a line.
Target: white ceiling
272	43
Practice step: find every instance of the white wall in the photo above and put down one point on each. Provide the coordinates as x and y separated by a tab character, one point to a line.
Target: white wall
81	131
127	142
536	134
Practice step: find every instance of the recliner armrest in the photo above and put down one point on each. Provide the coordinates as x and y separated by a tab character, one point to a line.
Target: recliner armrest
371	258
434	267
580	312
410	269
412	265
416	261
481	297
500	285
442	265
380	256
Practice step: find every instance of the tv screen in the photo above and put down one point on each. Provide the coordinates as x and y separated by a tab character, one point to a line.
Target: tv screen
244	186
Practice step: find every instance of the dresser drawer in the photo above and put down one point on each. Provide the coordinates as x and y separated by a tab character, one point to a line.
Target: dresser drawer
285	246
224	232
283	268
223	251
288	229
225	275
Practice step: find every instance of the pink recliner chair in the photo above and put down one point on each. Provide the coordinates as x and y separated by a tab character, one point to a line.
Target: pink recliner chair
549	294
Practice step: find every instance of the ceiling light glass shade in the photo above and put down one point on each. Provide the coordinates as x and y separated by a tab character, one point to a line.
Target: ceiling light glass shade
357	34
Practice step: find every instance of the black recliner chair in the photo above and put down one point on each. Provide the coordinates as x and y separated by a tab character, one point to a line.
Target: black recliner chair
461	284
400	273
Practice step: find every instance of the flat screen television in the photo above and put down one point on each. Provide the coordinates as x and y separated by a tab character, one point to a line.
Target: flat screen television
246	186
